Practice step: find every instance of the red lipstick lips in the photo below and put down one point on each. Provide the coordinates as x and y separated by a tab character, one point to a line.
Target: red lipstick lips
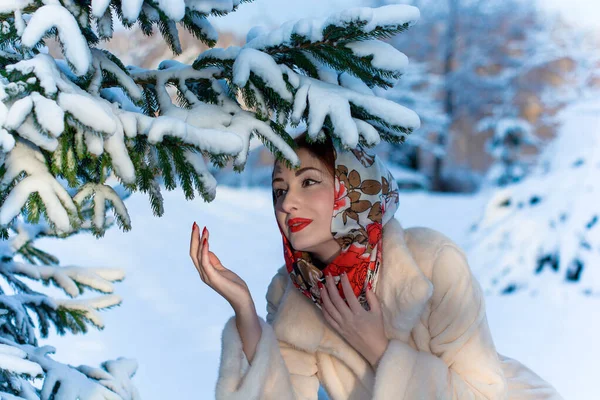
297	224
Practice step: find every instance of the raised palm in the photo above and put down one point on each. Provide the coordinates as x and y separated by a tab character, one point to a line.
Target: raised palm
212	272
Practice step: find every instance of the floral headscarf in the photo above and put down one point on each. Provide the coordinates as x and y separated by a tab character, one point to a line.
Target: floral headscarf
366	198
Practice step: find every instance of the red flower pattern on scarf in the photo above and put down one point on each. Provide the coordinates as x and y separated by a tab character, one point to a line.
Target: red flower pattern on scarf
374	232
342	201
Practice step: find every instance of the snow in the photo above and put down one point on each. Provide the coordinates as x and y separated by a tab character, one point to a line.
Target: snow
76	50
102	126
7	141
173	9
229	53
90	305
263	65
385	16
14	360
99	7
18	112
88	111
207	28
7	7
550	213
331	100
165	299
19	22
131	9
385	56
44	68
48	114
311	29
101	194
101	61
162	299
58	202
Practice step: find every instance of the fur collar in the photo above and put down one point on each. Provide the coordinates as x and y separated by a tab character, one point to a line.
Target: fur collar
402	289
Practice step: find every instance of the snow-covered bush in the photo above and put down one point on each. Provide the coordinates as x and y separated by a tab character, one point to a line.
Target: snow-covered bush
542	234
506	146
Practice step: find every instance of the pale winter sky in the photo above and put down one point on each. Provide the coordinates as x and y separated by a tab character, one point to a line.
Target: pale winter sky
583	12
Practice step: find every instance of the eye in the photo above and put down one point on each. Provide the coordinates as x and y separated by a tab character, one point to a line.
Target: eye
277	191
308	179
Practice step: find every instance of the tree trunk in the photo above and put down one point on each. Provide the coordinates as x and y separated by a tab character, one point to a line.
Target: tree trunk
443	137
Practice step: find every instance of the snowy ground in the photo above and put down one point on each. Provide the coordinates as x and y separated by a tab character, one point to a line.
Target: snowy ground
171	322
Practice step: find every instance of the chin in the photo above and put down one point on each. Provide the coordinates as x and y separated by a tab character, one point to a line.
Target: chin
300	246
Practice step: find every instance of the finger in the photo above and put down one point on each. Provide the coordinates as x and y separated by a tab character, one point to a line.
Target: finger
214	260
201	267
373	301
335	297
205	262
200	245
328	305
349	294
331	320
194	244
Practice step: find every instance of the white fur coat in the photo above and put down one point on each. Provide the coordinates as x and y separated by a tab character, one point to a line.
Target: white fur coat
434	315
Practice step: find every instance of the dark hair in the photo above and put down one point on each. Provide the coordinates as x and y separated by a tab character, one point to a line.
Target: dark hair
322	150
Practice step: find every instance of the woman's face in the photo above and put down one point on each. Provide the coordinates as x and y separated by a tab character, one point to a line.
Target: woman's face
306	194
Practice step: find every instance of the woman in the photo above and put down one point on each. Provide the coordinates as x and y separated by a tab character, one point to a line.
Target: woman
363	307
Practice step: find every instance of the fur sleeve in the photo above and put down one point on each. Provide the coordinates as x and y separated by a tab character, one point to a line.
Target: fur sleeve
278	371
463	363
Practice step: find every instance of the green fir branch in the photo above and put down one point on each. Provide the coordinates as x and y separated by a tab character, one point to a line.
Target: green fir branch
169	33
188	23
145	24
184	171
150	105
166	167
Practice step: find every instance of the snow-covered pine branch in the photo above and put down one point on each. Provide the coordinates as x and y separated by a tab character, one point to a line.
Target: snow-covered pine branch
40	266
21	362
20	358
88	118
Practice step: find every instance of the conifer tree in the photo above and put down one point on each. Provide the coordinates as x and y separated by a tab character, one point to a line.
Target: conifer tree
87	117
76	129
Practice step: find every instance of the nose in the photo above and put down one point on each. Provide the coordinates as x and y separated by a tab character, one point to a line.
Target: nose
290	202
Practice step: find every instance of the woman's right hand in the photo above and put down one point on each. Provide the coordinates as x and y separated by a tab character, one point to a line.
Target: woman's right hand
225	282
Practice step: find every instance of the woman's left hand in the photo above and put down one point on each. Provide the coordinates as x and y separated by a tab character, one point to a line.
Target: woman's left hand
361	328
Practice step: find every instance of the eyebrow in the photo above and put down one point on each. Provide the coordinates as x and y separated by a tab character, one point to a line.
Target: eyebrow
300	171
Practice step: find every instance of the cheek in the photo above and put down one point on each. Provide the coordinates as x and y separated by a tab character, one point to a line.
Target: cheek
280	218
324	198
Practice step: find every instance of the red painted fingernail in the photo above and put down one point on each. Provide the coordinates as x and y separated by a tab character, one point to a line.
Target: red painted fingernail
369	287
320	285
204	230
194	225
204	242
